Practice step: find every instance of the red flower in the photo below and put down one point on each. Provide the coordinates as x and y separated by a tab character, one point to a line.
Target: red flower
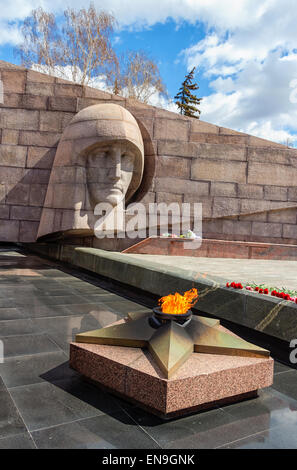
260	291
266	291
228	284
257	288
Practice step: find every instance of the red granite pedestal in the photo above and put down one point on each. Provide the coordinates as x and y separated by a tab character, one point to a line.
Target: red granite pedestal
204	381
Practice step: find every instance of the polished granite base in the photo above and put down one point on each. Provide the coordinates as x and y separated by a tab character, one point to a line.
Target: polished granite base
203	381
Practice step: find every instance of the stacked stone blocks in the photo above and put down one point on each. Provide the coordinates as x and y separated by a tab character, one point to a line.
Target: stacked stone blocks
247	185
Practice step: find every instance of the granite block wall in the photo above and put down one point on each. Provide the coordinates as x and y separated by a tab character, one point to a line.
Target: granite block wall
247	185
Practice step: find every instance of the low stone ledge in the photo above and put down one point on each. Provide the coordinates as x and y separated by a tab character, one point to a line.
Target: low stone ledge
272	316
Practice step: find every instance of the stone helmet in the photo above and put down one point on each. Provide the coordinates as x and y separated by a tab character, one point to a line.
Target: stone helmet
101	123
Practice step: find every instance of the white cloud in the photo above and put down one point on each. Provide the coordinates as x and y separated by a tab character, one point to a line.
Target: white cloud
9	33
248	53
257	100
146	13
252	69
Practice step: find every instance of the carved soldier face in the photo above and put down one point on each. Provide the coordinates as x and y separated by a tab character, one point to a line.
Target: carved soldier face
109	171
99	159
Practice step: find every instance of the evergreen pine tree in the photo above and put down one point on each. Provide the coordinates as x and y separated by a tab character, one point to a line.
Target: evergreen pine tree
185	100
116	88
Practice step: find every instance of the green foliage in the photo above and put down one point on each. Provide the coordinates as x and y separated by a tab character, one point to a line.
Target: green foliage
185	100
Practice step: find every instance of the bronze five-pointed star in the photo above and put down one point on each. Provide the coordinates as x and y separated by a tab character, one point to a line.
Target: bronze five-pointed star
171	344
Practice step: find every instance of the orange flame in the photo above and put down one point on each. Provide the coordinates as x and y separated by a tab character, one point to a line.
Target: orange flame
178	304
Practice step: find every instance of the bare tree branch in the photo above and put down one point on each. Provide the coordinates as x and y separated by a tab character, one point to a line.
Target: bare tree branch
82	44
137	76
80	49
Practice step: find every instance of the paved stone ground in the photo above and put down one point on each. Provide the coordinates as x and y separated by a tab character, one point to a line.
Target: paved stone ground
275	273
44	404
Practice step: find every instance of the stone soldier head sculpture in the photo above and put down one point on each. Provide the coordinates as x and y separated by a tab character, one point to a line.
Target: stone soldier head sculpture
99	159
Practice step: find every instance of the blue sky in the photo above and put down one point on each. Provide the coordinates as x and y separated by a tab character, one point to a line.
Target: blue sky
244	52
164	42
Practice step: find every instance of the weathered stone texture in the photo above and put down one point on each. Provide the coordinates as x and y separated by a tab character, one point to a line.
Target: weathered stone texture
37	77
173	166
4	212
223	189
235	227
271	155
249	206
258	142
205	201
40	89
224	152
290	231
281	175
71	90
9	231
200	126
213	170
40	139
246	184
266	229
227	131
34	102
176	148
40	157
13	155
37	194
171	129
18	194
276	193
255	217
10	137
14	81
25	213
148	198
2	192
89	92
292	194
168	198
11	100
250	191
63	104
11	175
19	119
180	186
28	231
284	216
223	206
36	175
54	121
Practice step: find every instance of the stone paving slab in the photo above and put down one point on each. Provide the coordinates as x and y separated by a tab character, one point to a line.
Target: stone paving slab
47	405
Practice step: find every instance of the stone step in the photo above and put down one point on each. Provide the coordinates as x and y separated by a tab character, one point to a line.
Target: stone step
214	249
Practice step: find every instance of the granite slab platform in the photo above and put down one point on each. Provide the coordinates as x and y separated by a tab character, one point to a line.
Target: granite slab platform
203	382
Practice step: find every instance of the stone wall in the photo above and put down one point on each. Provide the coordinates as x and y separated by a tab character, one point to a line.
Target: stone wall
248	186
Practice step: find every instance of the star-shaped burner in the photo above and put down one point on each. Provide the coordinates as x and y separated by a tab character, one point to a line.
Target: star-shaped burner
169	342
